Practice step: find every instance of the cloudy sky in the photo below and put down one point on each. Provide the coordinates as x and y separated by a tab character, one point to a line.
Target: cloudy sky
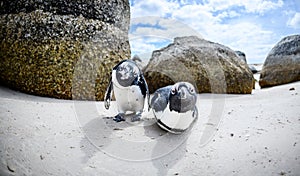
251	26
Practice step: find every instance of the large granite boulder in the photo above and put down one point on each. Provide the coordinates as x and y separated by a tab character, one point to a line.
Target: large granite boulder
282	64
63	48
211	67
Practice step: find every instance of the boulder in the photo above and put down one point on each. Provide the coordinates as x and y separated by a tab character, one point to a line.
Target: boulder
253	69
136	58
63	49
282	64
241	55
209	66
138	61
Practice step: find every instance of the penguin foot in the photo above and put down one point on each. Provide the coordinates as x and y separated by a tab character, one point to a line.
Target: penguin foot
119	118
137	117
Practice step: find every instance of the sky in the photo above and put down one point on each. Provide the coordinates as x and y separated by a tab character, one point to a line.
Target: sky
250	26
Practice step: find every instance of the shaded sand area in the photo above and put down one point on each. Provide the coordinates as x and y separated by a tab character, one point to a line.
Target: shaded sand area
257	134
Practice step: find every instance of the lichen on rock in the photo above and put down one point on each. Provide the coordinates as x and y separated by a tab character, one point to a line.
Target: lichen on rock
48	48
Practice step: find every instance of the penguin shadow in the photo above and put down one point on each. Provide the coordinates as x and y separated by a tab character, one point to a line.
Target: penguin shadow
99	134
151	129
168	150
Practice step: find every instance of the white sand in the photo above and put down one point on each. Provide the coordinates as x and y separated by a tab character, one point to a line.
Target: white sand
256	134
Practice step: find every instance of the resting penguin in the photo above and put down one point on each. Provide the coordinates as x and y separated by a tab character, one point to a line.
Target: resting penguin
130	90
174	107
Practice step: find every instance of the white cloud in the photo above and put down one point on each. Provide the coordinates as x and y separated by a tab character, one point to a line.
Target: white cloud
146	38
250	38
215	5
142	47
152	8
164	7
251	6
294	22
232	14
164	28
196	17
146	20
261	6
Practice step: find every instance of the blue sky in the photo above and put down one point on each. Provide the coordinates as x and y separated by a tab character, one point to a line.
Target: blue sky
251	26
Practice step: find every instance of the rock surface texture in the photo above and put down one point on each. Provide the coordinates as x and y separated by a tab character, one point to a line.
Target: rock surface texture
62	49
211	67
241	55
253	69
282	64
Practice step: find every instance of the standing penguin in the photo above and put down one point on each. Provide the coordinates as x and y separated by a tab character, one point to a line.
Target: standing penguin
174	107
130	90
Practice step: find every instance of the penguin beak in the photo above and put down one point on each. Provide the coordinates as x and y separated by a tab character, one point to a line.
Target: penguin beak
182	93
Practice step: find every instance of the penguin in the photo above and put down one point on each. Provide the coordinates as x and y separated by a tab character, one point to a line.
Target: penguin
174	107
130	89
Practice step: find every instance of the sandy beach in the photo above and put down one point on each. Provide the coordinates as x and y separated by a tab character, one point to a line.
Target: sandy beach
257	134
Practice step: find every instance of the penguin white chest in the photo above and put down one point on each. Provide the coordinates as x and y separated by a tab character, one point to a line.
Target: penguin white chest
174	121
129	98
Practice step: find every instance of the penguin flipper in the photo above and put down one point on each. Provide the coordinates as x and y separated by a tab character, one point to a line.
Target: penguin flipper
145	90
160	99
195	112
108	94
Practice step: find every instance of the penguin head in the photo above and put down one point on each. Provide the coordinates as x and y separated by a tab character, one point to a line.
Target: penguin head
183	97
126	72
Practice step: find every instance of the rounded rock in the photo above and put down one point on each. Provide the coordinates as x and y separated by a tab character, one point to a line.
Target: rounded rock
282	64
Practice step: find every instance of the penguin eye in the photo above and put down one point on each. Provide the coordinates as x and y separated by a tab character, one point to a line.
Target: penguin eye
191	90
173	91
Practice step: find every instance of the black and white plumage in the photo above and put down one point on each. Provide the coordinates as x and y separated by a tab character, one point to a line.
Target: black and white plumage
130	89
174	107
